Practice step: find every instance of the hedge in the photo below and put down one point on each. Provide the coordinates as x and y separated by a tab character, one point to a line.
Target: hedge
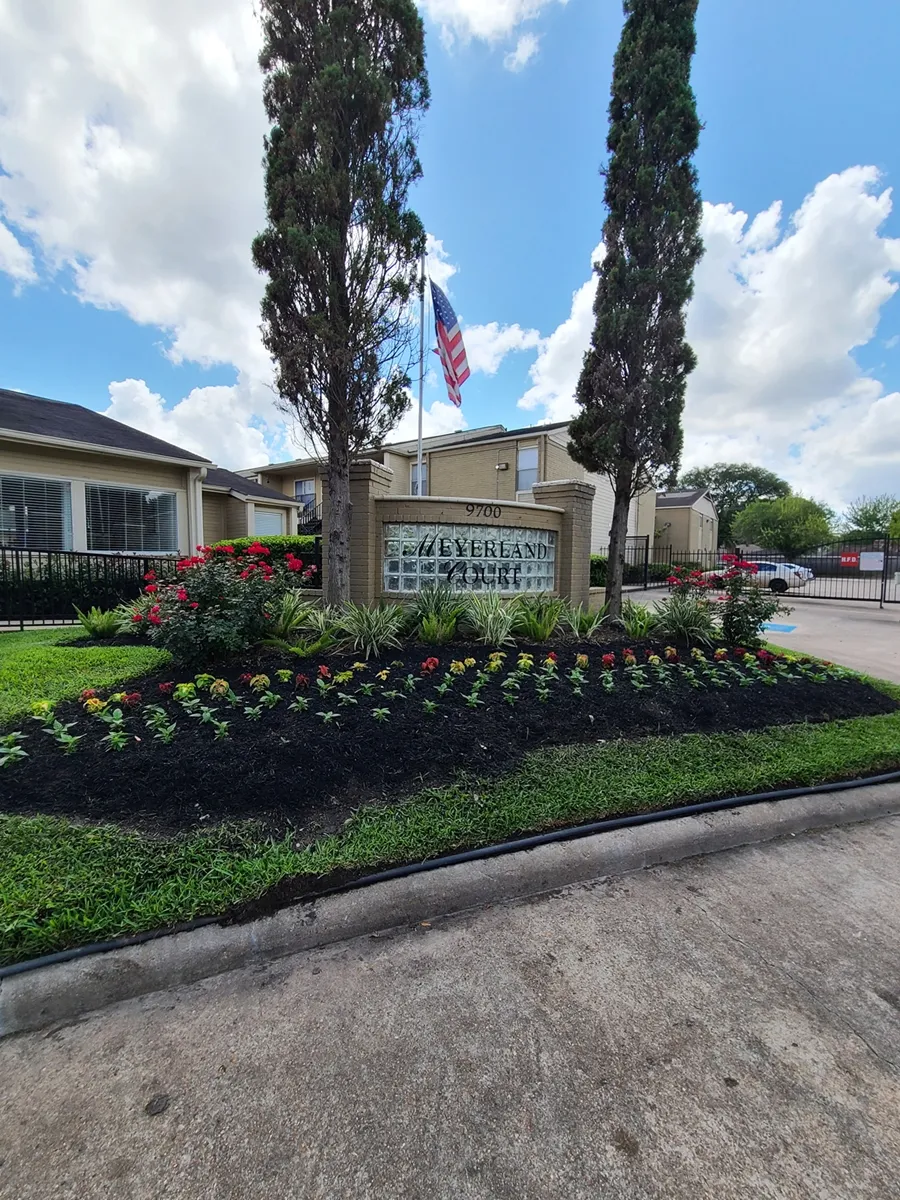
280	545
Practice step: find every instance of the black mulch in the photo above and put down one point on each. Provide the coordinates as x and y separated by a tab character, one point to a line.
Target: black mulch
290	769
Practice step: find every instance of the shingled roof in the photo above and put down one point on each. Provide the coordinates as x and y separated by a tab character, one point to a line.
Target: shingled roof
680	499
35	415
217	477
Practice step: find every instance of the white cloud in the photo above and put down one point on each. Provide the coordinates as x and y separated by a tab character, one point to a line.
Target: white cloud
440	417
488	345
15	259
776	315
437	263
526	48
489	20
212	421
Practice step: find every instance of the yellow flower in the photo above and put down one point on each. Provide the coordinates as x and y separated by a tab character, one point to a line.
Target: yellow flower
457	668
526	661
469	662
382	675
117	698
654	660
219	687
360	666
497	656
42	708
581	661
495	664
94	705
343	677
259	683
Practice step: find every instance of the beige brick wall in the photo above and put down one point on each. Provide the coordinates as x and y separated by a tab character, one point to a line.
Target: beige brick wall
236	524
23	459
214	504
558	465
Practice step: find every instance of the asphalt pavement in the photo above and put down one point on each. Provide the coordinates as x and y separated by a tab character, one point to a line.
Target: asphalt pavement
727	1028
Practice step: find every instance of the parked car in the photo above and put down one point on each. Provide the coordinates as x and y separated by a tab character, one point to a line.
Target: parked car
777	576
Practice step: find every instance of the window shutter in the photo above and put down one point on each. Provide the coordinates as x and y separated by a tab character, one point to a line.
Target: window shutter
269	522
35	514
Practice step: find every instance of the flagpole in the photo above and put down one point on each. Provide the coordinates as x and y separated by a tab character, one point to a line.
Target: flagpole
419	490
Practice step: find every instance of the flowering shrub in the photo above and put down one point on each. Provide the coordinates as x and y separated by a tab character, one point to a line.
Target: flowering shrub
685	582
743	606
217	606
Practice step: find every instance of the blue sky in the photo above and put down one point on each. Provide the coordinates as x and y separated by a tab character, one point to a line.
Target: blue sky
132	186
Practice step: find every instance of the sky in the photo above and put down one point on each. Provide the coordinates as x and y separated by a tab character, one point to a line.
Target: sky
131	187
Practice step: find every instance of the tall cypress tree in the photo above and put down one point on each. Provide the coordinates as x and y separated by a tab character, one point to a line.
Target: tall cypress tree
632	384
344	85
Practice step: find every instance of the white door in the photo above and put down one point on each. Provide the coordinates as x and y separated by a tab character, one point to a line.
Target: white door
269	522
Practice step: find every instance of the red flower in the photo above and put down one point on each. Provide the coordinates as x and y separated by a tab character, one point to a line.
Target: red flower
608	661
132	699
740	651
246	677
293	563
258	548
136	619
150	576
167	688
302	681
195	604
429	665
324	673
182	594
151	588
551	657
89	694
226	549
154	619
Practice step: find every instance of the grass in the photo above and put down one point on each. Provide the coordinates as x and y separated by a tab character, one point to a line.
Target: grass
41	664
63	885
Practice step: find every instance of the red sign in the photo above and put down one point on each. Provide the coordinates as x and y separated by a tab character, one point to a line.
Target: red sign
849	560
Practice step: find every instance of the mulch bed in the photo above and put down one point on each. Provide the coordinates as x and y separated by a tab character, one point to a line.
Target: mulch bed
289	770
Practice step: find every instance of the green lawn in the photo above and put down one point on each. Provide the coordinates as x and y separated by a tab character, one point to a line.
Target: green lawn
63	885
41	664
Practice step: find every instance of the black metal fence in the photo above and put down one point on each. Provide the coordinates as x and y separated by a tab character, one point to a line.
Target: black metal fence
42	587
310	520
638	566
849	570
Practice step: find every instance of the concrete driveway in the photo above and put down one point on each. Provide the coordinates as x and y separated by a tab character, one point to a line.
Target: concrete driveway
854	633
727	1028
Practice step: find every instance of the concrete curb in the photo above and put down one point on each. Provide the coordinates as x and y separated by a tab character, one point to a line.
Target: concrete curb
68	990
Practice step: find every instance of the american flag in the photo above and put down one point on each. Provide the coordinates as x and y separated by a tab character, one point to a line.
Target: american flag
450	345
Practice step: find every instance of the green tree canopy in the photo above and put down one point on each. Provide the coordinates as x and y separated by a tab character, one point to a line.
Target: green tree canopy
894	530
870	516
344	86
631	390
732	487
791	525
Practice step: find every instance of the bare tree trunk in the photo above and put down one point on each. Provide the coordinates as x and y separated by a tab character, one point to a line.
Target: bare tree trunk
615	566
340	509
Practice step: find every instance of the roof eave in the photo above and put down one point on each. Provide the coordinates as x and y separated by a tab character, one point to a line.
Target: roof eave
43	439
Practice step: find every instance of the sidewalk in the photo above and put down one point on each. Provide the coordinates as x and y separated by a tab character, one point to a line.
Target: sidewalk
722	1029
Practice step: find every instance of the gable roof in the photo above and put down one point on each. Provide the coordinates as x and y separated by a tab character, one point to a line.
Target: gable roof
685	499
218	477
41	419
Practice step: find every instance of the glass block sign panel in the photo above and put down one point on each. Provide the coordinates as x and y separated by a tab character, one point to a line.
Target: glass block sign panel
471	558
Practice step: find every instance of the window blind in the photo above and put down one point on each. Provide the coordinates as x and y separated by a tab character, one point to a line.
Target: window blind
130	519
269	522
35	514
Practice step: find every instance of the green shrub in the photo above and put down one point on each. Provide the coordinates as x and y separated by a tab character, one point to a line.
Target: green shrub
536	617
659	572
279	545
687	618
99	624
638	620
437	630
745	605
489	618
598	570
369	630
288	612
582	623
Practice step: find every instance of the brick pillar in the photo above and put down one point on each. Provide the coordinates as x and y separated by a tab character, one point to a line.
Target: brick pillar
368	479
573	549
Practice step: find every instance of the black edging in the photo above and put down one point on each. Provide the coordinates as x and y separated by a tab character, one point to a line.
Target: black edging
451	860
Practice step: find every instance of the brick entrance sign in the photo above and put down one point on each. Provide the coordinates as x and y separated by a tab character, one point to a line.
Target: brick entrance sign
399	544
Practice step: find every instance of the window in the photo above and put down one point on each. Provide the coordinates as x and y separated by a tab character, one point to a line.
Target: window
35	514
527	469
414	479
269	522
130	519
305	492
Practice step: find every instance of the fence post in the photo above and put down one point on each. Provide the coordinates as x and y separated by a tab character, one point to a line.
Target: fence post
646	561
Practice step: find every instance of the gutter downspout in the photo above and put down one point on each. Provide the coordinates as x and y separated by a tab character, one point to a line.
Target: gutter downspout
195	509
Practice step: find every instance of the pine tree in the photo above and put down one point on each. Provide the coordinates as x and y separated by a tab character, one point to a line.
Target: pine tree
632	384
344	85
